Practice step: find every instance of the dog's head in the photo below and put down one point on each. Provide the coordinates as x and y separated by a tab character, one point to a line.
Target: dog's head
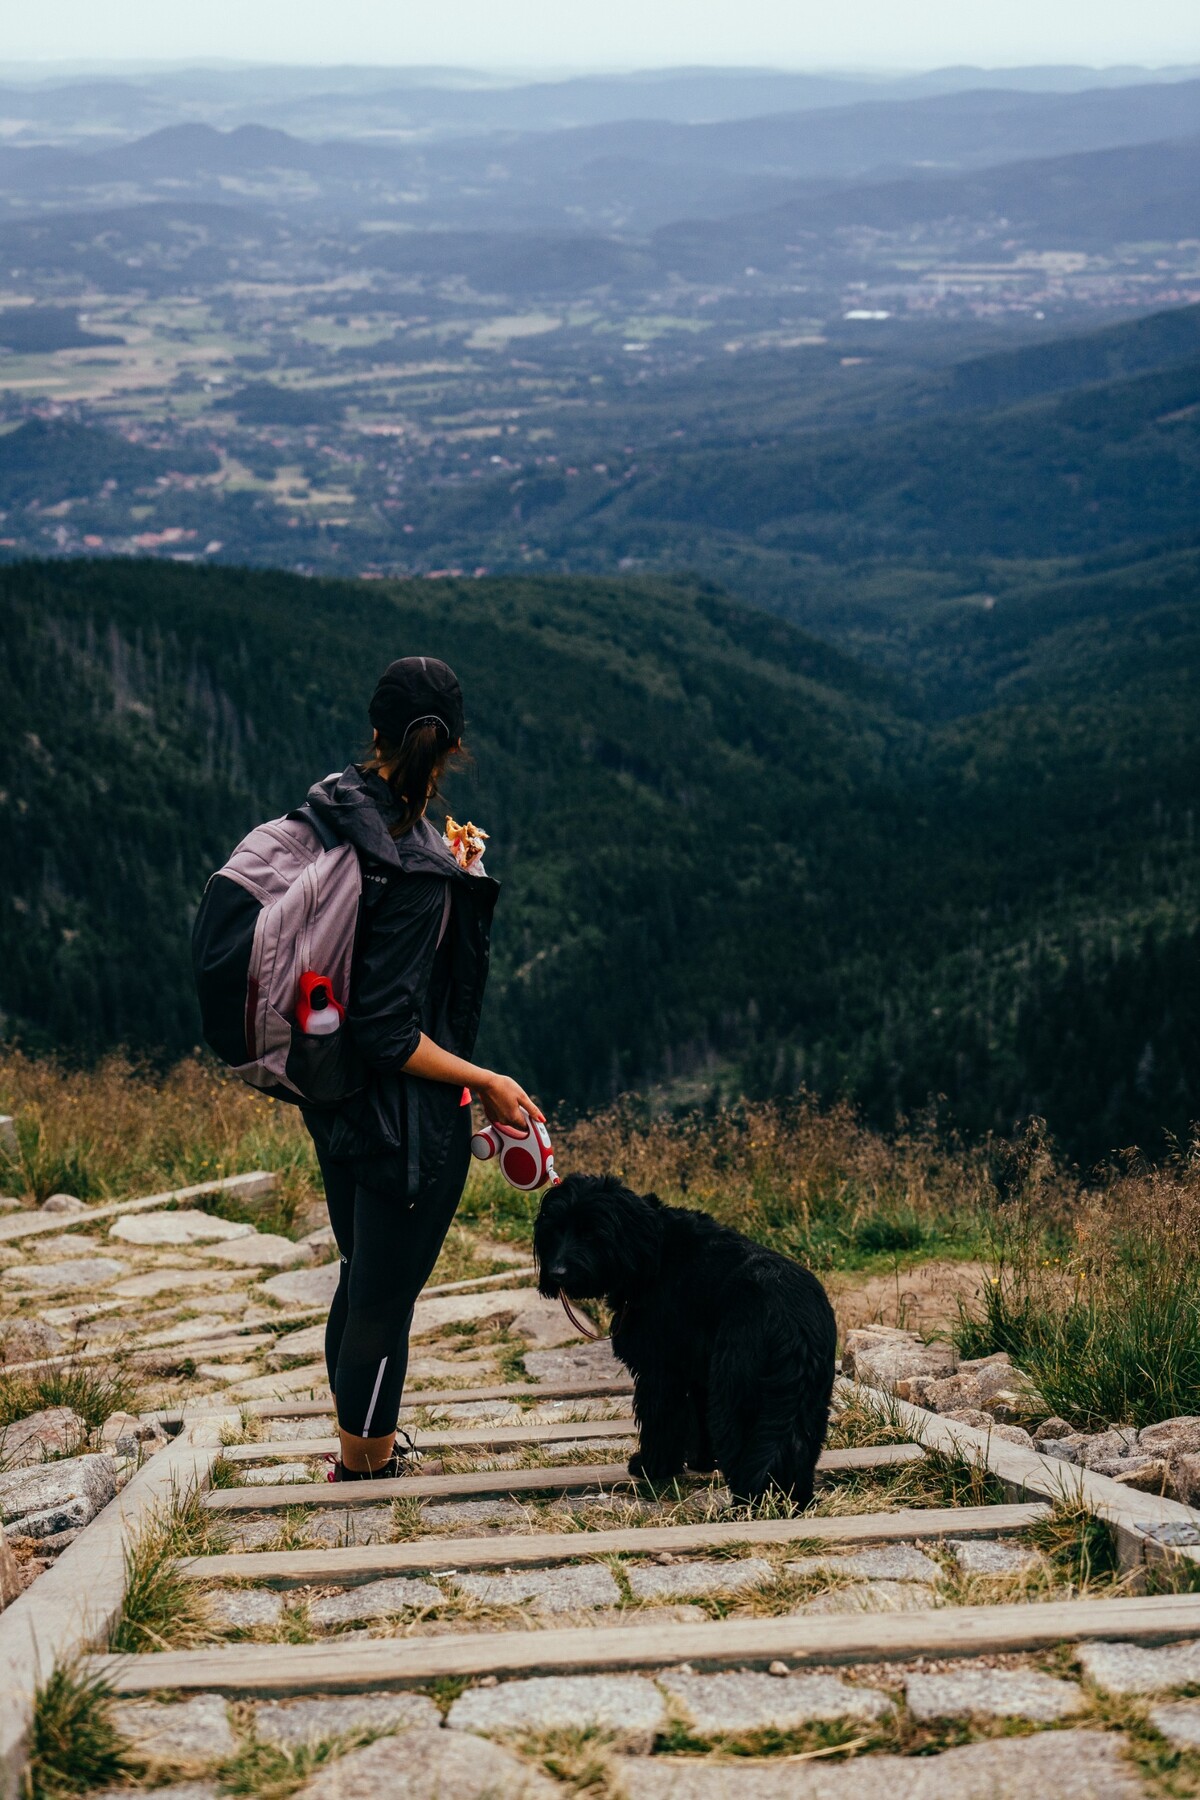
594	1237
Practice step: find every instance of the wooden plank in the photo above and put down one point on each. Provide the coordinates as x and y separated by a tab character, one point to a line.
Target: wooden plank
78	1599
283	1323
1132	1514
565	1480
499	1279
367	1562
352	1663
421	1487
243	1187
208	1350
470	1437
601	1388
168	1340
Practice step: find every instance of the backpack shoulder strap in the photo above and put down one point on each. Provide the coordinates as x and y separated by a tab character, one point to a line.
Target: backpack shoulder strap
325	834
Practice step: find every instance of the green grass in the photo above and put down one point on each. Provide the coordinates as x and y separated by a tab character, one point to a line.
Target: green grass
1106	1333
269	1773
580	1758
162	1609
510	1355
93	1390
224	1473
446	1689
74	1744
1081	1548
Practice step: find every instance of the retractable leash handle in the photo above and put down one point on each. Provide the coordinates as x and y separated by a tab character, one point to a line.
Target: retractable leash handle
527	1163
526	1158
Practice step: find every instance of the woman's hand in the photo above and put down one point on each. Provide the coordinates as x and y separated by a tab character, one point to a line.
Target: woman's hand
505	1101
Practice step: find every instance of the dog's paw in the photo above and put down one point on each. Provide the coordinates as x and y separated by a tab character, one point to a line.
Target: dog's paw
635	1465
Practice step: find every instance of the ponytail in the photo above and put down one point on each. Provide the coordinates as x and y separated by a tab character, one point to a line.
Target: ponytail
411	770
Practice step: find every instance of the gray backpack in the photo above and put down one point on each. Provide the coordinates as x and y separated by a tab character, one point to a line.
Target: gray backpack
286	902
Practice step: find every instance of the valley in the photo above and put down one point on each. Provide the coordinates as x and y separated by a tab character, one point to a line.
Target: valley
884	406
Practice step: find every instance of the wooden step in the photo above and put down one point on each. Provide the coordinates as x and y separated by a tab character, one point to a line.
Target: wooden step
469	1437
367	1562
35	1224
421	1487
215	1349
601	1388
1136	1518
564	1480
354	1662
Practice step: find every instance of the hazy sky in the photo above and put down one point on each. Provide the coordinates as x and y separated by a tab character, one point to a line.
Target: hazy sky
609	33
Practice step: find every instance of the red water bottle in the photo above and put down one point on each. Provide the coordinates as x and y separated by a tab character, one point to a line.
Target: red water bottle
318	1014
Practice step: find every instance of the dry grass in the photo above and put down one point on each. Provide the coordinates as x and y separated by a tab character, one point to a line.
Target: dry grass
808	1179
1080	1548
1094	1288
250	1429
121	1128
582	1760
939	1479
857	1420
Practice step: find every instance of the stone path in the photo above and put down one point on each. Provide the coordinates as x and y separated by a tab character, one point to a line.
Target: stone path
222	1317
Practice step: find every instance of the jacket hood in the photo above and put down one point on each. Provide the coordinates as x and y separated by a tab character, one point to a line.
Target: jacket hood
360	809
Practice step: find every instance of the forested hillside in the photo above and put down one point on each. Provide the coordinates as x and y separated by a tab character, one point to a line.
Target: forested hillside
729	852
667	806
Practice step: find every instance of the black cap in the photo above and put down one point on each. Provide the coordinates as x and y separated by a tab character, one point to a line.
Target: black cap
417	690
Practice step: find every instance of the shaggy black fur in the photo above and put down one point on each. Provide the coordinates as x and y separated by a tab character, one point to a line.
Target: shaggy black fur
730	1346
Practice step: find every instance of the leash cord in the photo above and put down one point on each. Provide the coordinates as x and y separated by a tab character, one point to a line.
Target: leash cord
584	1327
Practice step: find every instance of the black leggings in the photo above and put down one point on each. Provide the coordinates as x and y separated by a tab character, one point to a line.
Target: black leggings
388	1250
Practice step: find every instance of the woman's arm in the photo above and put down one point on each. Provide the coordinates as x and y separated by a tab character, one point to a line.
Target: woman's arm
504	1100
395	963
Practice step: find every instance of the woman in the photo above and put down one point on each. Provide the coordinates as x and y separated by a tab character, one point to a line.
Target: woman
394	1156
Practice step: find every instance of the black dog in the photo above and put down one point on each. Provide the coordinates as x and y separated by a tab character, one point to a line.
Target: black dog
730	1346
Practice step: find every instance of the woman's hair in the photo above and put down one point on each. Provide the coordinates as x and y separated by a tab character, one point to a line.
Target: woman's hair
411	770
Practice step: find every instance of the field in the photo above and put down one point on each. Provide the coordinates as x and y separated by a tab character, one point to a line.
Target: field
1092	1289
506	1546
450	346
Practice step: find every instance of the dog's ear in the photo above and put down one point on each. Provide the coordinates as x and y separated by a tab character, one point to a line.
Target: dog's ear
641	1229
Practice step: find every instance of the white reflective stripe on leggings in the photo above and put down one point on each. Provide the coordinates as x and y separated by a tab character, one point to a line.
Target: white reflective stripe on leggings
366	1430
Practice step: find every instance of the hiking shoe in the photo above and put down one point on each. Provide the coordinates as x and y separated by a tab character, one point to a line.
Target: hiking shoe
405	1456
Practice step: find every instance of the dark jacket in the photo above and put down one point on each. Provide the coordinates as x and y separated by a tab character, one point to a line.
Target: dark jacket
404	981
